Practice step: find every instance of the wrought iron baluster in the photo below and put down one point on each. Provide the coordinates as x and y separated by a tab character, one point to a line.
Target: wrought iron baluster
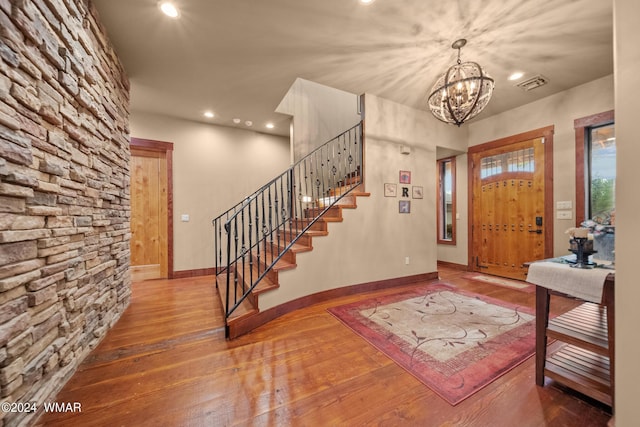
265	233
283	208
271	229
344	160
324	178
215	245
332	170
235	265
290	193
250	234
317	183
275	216
351	158
242	249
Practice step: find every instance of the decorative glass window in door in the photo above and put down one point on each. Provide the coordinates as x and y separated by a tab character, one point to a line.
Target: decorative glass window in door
513	161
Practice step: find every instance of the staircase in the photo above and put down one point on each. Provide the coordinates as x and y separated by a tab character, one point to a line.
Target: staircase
261	236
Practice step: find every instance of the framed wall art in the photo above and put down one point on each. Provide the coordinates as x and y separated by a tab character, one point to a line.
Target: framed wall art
404	206
405	177
416	192
390	190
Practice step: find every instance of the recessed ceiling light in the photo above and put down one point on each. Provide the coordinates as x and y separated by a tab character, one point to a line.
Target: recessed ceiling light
209	114
169	9
248	123
366	1
236	121
269	125
516	75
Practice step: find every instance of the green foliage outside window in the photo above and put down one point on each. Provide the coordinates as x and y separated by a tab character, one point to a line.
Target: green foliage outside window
602	200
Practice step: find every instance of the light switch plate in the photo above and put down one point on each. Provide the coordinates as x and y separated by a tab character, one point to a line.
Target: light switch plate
184	218
564	214
566	204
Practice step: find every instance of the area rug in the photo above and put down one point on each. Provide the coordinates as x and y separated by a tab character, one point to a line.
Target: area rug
501	281
454	341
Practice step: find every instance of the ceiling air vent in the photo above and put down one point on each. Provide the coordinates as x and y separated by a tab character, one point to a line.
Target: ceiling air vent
533	82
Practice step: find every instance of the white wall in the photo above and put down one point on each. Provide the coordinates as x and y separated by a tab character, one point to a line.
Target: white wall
559	110
374	239
214	167
627	106
320	113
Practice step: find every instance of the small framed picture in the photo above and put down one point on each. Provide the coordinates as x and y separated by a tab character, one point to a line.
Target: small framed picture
404	206
416	192
390	190
405	177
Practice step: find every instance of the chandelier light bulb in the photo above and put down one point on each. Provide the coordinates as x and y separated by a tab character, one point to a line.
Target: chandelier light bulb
169	9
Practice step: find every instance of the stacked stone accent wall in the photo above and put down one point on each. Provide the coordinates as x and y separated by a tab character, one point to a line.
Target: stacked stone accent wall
64	195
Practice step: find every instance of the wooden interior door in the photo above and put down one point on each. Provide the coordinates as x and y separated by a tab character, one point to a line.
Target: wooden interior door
509	220
149	204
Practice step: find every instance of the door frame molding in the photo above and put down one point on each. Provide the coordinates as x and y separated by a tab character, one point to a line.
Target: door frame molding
167	149
544	132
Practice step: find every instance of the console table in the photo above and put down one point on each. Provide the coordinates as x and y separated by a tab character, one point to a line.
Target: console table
585	358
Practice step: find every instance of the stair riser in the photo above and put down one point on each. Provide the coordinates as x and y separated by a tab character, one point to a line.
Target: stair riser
333	212
346	201
303	240
319	225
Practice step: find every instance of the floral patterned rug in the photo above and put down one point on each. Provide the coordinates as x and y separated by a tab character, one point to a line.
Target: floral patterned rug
454	341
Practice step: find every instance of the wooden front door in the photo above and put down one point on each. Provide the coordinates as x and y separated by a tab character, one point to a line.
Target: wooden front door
510	224
150	190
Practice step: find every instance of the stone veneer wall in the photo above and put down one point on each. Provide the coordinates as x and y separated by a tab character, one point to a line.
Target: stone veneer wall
64	194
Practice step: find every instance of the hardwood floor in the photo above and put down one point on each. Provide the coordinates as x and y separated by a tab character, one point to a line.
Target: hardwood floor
167	363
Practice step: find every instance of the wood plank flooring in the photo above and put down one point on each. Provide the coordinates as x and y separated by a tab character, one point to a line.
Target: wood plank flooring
167	363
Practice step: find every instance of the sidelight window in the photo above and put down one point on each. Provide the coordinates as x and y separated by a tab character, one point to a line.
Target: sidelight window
601	176
596	168
447	201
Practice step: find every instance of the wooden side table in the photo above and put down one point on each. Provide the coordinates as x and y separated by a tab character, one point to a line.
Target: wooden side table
585	361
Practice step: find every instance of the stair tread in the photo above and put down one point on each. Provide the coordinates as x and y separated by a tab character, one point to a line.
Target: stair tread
296	247
245	308
264	285
314	232
329	213
280	265
331	219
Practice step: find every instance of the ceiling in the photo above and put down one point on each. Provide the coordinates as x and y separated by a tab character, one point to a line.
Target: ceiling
238	58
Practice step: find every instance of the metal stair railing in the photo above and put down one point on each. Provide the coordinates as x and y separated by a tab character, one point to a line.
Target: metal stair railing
252	236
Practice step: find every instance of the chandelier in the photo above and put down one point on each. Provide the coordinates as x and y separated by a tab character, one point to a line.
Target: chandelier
462	92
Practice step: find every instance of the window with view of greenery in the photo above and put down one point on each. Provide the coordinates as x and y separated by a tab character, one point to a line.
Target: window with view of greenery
601	175
595	168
